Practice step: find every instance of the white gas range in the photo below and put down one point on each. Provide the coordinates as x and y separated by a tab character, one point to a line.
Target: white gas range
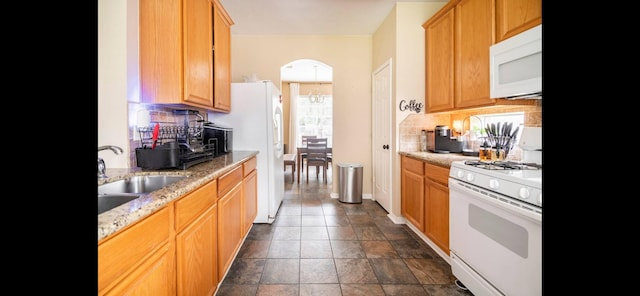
495	222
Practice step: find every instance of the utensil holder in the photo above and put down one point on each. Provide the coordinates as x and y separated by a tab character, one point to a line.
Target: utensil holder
162	157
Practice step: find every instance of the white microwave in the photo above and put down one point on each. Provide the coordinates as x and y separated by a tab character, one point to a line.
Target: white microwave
516	66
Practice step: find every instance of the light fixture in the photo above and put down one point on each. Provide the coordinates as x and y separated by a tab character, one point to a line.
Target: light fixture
315	96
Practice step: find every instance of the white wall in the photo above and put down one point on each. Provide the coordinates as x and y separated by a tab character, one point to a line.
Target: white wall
350	57
401	38
117	75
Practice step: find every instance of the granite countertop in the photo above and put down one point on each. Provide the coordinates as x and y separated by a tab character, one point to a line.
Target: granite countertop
439	159
119	217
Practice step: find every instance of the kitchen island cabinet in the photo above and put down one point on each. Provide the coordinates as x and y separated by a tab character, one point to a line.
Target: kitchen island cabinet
179	62
167	242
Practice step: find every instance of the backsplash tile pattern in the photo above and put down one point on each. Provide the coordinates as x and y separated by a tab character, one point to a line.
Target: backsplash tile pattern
157	113
410	127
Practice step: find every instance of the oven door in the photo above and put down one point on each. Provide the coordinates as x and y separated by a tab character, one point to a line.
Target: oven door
496	248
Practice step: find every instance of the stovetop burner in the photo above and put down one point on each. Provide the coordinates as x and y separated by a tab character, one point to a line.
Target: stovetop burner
503	165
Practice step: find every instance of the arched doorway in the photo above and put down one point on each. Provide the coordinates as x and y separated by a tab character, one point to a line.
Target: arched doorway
307	86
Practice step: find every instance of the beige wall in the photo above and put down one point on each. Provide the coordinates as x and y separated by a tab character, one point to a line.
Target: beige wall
350	58
401	39
117	75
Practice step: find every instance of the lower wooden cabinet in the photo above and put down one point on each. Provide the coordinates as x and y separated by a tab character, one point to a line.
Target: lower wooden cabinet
140	258
230	232
186	247
197	242
154	277
412	184
436	205
425	199
249	194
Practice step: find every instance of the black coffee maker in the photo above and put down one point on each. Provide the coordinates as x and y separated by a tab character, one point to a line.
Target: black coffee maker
441	140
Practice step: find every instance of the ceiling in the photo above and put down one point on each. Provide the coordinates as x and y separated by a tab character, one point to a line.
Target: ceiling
309	17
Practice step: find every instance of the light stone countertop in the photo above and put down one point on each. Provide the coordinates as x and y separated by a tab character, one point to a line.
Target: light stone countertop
119	217
439	159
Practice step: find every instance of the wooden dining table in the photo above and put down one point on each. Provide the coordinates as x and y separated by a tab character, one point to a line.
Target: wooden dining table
303	150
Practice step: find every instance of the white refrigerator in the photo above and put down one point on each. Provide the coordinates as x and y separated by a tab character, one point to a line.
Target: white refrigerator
256	119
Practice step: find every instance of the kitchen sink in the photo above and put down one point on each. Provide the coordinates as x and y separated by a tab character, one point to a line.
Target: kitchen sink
109	201
139	184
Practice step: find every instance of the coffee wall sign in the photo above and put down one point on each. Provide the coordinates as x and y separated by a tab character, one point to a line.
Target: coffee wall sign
411	106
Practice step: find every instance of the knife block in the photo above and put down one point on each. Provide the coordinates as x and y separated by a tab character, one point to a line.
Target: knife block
162	157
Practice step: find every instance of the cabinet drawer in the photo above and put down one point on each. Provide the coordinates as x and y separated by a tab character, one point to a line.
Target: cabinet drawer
118	255
249	165
196	202
227	181
413	165
437	173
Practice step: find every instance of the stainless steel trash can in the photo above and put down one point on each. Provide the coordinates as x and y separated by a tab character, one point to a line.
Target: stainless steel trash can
350	182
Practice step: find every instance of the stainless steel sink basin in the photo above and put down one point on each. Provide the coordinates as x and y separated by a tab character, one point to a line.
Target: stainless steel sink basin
109	201
139	184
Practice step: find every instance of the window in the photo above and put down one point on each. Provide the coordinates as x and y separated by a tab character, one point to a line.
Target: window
315	117
517	118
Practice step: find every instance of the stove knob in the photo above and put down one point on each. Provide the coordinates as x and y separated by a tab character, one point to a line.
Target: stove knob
540	198
460	174
524	193
494	184
470	177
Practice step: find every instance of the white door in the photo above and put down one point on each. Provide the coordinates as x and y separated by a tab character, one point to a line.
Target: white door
382	135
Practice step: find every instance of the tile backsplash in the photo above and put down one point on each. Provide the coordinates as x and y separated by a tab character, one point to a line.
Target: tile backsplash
157	114
410	127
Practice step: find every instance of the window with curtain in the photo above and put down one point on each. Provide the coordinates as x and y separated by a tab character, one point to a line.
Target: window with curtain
315	117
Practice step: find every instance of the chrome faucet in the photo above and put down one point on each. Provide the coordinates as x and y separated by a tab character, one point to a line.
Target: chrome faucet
101	166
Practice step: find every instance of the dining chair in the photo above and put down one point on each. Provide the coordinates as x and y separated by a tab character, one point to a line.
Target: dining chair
329	154
317	156
303	156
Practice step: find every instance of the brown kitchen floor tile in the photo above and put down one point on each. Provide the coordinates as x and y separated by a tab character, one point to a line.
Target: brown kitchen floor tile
320	246
357	271
392	271
362	290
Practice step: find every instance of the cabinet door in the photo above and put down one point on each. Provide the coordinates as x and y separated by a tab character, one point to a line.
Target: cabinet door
197	255
516	16
120	256
198	62
250	200
412	184
154	277
439	37
474	35
436	208
230	232
221	59
160	51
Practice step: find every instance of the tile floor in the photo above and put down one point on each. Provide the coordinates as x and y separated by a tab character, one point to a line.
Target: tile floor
320	246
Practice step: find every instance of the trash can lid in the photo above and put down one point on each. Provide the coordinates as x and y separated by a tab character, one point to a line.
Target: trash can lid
353	164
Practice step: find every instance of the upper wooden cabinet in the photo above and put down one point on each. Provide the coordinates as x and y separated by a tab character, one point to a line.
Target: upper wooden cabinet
177	58
221	58
457	70
439	35
516	16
